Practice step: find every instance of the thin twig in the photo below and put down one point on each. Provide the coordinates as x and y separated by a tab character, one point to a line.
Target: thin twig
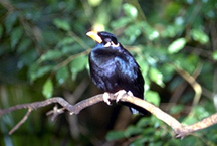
69	59
78	40
21	121
191	80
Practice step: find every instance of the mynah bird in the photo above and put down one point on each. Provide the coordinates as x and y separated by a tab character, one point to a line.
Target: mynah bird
113	69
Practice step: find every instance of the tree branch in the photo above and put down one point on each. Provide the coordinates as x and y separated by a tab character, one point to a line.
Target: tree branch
21	121
179	129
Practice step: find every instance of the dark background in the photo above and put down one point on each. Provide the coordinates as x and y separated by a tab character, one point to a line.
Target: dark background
43	54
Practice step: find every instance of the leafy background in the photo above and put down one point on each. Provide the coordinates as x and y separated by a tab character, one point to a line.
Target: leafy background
44	53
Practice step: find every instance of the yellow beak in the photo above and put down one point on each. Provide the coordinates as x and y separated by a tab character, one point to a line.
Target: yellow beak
93	35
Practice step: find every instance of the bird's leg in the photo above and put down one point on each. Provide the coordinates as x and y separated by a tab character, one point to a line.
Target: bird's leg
106	98
120	94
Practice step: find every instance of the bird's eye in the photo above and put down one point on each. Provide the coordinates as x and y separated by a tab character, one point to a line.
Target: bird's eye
107	40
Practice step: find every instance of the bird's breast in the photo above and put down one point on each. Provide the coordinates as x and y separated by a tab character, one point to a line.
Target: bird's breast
103	70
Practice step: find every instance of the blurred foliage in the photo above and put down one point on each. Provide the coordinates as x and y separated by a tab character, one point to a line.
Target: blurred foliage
44	53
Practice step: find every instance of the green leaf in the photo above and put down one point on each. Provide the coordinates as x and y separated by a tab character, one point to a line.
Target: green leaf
27	58
132	31
143	122
23	45
155	122
150	32
36	71
176	109
62	24
152	97
130	10
50	55
167	72
10	21
67	49
156	76
65	41
47	88
171	31
200	36
77	65
143	64
132	130
159	143
176	45
1	31
172	8
62	75
201	112
114	135
190	120
16	35
94	2
214	55
140	141
123	21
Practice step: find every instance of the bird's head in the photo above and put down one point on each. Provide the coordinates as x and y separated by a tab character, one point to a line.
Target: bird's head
104	38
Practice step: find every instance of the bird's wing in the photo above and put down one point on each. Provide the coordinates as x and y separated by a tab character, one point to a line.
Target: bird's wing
129	75
127	67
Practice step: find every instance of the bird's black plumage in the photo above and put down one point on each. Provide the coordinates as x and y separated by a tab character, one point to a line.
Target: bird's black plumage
113	68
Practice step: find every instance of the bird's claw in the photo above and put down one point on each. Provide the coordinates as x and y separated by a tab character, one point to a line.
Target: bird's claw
106	98
119	95
130	93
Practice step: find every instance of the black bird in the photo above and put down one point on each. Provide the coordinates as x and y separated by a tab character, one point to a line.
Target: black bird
113	68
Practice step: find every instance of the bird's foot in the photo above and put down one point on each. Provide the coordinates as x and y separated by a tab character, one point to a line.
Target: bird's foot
120	94
130	93
106	98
